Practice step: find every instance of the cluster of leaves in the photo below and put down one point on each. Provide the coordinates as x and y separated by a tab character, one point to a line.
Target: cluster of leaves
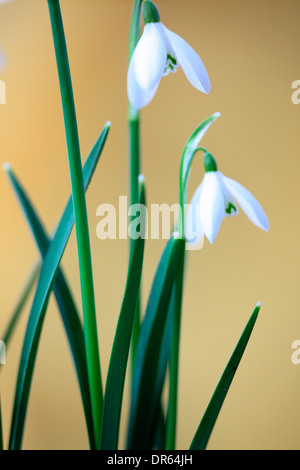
146	420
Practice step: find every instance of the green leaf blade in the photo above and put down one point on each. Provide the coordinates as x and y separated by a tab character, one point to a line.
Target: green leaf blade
188	155
40	302
120	351
192	144
147	359
69	314
211	414
19	307
80	213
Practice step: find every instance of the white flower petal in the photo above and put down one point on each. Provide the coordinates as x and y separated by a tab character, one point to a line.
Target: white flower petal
190	62
149	57
230	206
136	95
247	202
193	229
172	62
212	209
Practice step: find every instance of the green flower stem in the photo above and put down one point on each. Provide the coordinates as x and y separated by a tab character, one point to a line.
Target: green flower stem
174	358
80	212
183	190
135	26
134	165
189	151
134	154
134	157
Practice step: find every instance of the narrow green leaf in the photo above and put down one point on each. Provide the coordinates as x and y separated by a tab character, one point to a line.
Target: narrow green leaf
134	36
134	154
192	144
80	213
158	433
64	299
188	155
149	347
18	309
40	302
171	426
121	345
134	165
211	414
135	26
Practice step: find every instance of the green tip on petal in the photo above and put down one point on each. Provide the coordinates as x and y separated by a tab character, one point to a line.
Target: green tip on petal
150	12
210	163
230	208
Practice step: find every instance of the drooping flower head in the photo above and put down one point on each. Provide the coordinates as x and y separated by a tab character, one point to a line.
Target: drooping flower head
217	197
158	52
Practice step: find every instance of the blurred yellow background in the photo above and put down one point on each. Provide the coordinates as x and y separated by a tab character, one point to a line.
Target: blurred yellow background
251	50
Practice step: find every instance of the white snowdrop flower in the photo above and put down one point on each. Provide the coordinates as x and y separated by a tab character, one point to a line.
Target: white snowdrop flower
158	52
217	197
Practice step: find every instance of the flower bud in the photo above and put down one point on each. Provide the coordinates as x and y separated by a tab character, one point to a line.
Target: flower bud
150	13
210	163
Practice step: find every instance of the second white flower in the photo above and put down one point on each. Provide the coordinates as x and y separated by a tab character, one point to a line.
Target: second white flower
159	52
217	197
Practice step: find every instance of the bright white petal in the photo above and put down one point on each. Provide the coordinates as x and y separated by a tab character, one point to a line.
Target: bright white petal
247	202
172	62
212	209
190	62
149	57
230	205
194	234
136	95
